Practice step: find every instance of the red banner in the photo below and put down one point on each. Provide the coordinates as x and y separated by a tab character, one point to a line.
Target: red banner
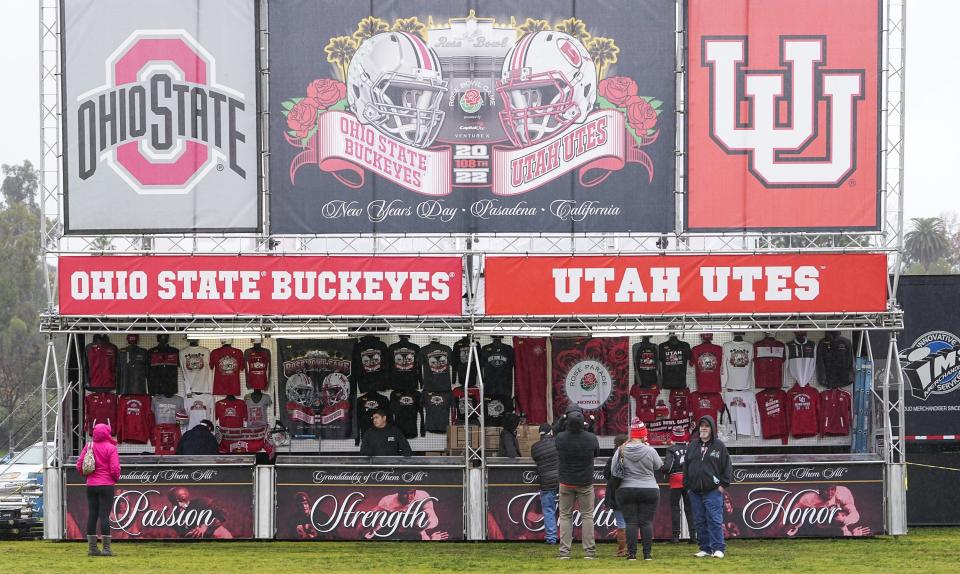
782	123
260	285
641	285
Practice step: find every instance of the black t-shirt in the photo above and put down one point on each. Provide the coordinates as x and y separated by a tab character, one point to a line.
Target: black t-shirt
494	407
405	409
388	441
370	364
436	411
368	404
403	365
132	365
433	364
646	363
497	361
674	355
461	359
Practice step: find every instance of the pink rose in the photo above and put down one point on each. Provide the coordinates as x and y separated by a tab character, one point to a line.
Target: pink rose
326	92
618	89
641	115
303	117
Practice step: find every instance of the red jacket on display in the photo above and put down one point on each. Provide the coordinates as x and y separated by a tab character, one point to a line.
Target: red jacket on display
769	355
835	412
99	408
101	361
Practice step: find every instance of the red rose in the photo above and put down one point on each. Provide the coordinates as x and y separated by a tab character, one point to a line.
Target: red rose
326	92
641	115
618	89
303	117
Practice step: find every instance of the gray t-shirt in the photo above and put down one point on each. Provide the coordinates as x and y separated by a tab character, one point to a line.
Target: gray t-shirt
165	409
636	464
257	413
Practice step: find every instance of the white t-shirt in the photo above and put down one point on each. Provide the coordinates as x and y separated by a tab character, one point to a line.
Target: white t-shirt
199	407
737	373
197	375
744	412
257	411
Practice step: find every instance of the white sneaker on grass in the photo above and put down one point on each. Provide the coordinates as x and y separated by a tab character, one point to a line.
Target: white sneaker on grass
702	554
718	554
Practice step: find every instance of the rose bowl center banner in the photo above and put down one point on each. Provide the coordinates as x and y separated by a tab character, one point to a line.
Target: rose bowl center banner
594	374
612	285
170	501
426	116
160	116
369	503
783	115
260	285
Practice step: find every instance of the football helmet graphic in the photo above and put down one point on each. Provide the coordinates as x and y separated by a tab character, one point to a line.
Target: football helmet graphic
300	389
394	83
548	83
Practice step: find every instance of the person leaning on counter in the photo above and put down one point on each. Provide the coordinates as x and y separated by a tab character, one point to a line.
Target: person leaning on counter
384	439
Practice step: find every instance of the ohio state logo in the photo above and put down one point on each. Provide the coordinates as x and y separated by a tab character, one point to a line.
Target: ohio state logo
161	121
774	146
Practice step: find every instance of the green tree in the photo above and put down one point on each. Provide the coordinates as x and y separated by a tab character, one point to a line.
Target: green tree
19	184
926	242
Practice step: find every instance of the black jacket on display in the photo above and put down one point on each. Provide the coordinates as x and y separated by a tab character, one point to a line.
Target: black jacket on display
198	440
835	361
576	449
388	441
544	453
707	464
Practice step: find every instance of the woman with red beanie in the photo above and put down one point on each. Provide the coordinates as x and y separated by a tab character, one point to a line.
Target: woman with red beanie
100	487
636	463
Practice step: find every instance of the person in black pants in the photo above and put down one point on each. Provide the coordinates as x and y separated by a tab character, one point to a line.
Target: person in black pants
673	467
100	486
638	494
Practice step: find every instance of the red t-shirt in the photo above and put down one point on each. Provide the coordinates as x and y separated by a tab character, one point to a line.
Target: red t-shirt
804	411
706	404
707	361
135	419
768	358
835	412
230	413
774	410
226	363
165	439
257	365
646	399
679	403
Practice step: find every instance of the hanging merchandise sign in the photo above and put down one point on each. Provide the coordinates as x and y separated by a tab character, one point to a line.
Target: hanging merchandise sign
783	115
612	285
502	118
160	116
369	503
593	374
157	501
260	285
313	379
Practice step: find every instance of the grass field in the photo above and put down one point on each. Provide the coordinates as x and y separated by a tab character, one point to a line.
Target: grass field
923	550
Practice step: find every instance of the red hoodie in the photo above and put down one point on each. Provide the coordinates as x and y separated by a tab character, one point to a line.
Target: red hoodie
107	472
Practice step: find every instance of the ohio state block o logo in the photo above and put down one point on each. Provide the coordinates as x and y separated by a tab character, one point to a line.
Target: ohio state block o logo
161	122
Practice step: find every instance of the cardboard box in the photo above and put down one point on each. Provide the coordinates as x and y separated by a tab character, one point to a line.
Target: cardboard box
456	437
526	436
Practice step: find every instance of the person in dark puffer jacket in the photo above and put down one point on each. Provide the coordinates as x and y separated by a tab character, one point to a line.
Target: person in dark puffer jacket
576	448
544	454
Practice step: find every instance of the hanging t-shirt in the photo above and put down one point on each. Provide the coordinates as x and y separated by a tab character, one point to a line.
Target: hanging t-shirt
165	409
494	407
769	356
403	365
135	419
744	412
703	404
645	399
737	371
804	411
230	413
530	377
706	359
165	439
258	411
802	360
679	402
226	362
367	404
774	406
406	412
256	362
370	364
674	355
645	363
199	407
460	360
100	408
436	411
433	364
197	375
162	376
463	401
496	359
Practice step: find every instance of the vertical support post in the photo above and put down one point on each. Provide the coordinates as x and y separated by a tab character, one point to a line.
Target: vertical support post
474	456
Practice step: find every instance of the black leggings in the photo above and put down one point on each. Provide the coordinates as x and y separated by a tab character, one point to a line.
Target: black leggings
638	506
675	495
99	504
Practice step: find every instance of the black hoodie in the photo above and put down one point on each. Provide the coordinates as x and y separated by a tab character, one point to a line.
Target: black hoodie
575	449
707	464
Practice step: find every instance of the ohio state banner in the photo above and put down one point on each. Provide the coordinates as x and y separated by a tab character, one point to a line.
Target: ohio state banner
369	503
782	114
427	116
593	374
170	501
160	116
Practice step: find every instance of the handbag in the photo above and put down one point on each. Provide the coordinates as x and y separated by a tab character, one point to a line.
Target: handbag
89	462
726	430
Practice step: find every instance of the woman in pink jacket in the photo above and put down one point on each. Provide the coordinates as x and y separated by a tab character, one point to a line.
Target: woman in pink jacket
100	487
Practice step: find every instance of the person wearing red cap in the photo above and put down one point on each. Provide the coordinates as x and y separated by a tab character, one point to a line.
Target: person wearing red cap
673	467
636	463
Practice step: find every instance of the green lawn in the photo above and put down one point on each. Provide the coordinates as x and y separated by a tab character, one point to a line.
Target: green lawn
923	550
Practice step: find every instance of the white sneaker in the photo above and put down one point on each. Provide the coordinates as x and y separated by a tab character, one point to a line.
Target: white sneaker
702	554
718	554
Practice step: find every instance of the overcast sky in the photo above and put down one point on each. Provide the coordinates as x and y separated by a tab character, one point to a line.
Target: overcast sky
933	126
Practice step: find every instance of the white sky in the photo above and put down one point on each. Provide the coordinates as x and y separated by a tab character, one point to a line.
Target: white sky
933	125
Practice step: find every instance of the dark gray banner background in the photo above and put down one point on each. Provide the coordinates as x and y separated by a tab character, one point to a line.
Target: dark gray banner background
223	200
644	32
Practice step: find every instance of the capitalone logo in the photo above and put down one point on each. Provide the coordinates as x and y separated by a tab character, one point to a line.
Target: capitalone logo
161	121
932	364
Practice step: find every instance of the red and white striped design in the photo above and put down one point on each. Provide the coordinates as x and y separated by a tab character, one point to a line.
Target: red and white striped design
932	437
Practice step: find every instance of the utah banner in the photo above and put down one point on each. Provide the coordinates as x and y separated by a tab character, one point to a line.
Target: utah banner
160	116
783	106
427	116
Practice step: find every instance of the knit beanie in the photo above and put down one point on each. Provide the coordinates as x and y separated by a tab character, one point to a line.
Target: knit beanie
638	429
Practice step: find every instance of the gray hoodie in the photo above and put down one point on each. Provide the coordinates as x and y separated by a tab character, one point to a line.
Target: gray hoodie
636	464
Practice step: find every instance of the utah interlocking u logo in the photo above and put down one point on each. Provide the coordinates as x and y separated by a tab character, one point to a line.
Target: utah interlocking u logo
776	145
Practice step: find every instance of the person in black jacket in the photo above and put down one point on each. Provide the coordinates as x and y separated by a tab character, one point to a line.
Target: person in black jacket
509	446
576	449
560	424
707	471
544	453
610	498
199	440
384	439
